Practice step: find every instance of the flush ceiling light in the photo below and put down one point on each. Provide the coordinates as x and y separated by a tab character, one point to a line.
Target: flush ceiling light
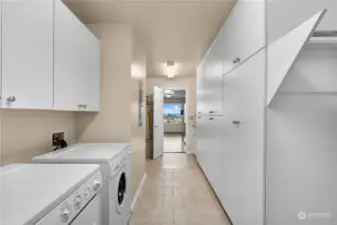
168	91
170	69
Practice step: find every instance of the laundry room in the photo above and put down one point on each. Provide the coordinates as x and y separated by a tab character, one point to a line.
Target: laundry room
160	112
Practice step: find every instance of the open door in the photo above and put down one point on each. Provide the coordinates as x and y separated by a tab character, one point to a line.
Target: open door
158	122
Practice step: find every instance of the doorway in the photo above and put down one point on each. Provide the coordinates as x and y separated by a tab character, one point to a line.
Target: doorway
175	120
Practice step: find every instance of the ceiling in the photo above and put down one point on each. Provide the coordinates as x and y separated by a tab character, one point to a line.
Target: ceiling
175	30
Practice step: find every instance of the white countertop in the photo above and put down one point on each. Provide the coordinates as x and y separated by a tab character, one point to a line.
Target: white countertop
84	153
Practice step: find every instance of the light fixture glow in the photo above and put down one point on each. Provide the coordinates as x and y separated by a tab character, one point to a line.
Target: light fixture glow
168	91
170	69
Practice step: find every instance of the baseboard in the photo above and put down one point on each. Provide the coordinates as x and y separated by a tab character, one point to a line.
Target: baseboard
139	191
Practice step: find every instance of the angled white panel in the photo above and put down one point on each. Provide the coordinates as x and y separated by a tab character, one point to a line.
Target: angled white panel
282	54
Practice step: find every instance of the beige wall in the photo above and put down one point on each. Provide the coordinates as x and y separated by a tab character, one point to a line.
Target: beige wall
138	133
112	123
123	66
187	83
25	134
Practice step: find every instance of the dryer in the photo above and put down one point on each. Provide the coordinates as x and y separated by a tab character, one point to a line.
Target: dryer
114	160
50	194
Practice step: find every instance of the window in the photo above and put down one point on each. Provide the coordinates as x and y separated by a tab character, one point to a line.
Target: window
173	113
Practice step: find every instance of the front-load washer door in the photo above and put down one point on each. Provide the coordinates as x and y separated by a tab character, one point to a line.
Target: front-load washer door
121	190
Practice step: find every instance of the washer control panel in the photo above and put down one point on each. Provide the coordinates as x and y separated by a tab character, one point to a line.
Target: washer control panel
69	208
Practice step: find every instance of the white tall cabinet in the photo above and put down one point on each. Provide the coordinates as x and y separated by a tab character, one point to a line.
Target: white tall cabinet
27	54
77	54
230	105
270	155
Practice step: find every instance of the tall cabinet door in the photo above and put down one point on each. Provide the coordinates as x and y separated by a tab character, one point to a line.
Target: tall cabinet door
243	152
27	54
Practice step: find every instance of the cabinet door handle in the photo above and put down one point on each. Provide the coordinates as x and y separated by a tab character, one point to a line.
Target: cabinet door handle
80	106
237	60
236	122
211	118
199	117
211	112
11	99
85	106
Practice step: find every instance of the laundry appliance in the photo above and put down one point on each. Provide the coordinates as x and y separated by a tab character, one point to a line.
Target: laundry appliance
114	160
46	194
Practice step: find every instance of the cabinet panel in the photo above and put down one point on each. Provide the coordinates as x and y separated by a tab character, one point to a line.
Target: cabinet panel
213	85
243	33
201	140
27	54
201	108
76	79
90	78
243	140
68	52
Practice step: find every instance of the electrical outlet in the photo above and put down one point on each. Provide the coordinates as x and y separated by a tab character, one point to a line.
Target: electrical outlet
56	137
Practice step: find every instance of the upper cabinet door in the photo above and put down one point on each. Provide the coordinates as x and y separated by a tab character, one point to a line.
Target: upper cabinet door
27	54
200	88
90	77
242	35
76	79
213	84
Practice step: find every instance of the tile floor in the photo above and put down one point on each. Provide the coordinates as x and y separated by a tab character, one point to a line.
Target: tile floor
176	192
173	143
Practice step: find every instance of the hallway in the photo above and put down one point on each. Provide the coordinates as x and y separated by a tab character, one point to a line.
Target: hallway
176	192
173	143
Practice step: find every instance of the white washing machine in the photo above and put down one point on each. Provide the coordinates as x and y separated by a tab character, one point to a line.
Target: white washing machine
114	160
46	194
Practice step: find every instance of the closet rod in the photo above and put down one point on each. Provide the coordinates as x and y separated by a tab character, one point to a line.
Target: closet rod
325	33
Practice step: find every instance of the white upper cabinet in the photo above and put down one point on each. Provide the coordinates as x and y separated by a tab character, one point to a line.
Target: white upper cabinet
27	54
242	35
76	58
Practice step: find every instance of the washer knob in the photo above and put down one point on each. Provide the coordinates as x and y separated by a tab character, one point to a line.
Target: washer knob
96	185
86	193
77	202
65	215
